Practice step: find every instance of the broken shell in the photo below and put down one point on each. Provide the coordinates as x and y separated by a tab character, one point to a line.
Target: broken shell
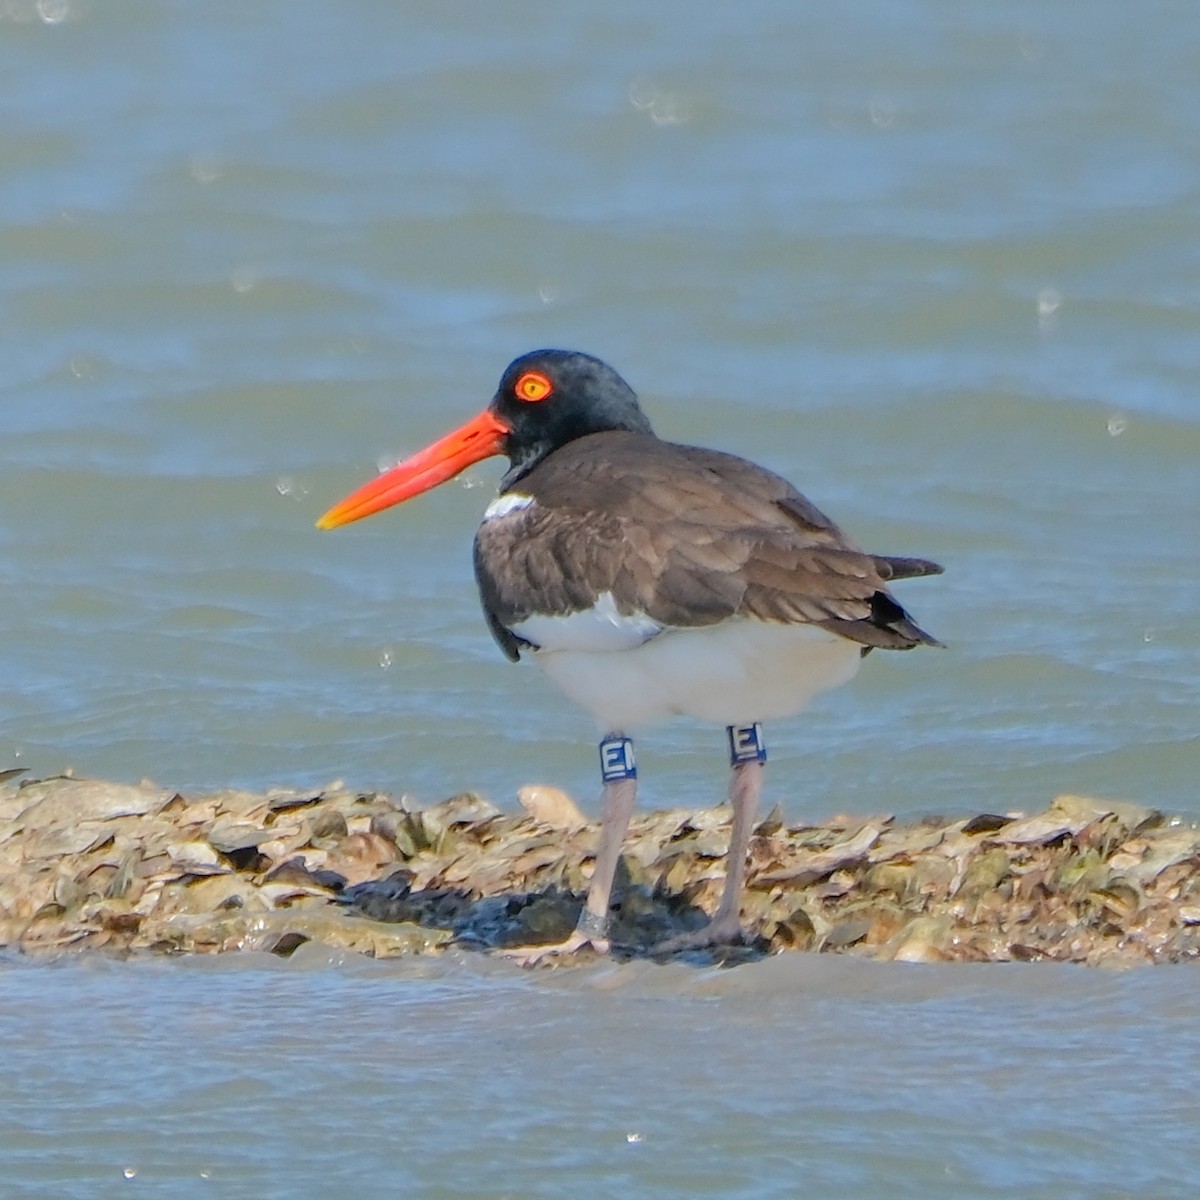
551	806
463	809
196	858
132	868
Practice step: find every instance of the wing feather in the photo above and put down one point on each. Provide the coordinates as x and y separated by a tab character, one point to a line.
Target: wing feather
688	537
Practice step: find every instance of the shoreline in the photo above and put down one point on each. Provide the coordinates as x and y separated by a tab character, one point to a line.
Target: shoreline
89	865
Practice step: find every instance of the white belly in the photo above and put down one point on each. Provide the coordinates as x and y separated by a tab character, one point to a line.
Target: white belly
733	673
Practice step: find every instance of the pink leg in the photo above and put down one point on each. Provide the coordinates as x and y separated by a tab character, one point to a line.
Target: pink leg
616	807
745	786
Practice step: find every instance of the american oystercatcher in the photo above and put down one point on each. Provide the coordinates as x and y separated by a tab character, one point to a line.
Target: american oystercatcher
650	580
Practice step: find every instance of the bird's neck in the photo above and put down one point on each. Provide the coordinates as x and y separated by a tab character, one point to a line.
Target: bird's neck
526	459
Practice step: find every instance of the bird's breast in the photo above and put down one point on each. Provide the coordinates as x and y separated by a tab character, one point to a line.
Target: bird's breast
735	672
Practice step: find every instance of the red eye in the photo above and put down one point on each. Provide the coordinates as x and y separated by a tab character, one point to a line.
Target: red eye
532	387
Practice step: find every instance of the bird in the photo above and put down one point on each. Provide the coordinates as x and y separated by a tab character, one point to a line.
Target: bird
650	580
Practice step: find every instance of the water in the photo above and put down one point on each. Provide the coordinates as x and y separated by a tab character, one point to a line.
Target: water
813	1076
936	263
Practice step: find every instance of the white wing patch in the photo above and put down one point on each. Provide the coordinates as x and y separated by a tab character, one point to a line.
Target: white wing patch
600	627
508	503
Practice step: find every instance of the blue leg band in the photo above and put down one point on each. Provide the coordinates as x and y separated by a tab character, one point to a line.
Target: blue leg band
746	744
616	758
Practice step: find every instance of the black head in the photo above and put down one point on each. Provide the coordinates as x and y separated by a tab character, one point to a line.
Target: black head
545	400
548	398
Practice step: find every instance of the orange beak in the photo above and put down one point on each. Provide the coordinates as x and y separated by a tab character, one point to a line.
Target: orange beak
476	440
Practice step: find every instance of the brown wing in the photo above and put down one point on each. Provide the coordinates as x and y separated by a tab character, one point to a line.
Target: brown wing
687	536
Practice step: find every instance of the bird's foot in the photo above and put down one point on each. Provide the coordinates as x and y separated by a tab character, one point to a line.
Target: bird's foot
528	956
722	930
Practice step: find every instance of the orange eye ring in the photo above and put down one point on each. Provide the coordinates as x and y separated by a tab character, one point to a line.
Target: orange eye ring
532	387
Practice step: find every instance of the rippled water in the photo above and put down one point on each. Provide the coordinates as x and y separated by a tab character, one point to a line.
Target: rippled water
936	263
807	1075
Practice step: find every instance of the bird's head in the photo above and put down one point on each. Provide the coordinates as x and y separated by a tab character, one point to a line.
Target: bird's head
545	399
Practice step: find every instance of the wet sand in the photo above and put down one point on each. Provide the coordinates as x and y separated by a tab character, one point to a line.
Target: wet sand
94	865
